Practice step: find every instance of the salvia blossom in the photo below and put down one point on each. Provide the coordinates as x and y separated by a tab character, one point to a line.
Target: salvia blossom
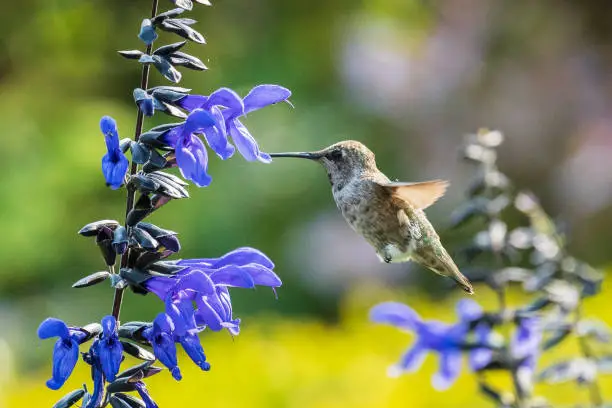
525	344
205	282
160	337
194	292
114	162
444	339
191	155
66	350
259	97
108	348
227	107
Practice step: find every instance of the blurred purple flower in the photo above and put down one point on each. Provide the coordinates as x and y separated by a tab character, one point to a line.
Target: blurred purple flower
114	162
444	339
525	345
66	350
108	348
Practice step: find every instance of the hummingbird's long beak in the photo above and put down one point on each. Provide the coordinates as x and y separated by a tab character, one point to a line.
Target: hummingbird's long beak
302	155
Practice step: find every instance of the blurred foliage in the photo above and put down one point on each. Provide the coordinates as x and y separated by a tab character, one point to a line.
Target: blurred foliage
277	362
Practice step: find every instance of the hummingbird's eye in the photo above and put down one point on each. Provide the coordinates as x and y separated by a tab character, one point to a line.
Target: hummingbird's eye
336	154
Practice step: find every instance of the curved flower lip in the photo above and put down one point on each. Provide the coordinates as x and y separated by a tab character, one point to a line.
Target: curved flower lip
65	351
239	256
396	314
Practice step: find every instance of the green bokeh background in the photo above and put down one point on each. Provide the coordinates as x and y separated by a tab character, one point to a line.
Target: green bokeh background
407	77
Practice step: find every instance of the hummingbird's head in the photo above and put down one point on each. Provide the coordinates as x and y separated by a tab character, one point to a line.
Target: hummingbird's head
342	160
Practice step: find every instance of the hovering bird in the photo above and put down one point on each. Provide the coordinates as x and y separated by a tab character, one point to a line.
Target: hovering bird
389	215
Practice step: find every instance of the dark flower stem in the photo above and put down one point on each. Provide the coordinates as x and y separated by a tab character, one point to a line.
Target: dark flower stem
131	193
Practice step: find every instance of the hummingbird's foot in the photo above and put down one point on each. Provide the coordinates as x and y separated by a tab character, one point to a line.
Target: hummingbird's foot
387	258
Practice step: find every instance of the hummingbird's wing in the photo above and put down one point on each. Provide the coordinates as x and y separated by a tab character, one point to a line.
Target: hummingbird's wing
421	195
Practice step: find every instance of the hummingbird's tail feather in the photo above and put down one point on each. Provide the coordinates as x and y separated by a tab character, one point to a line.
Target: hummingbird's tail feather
445	266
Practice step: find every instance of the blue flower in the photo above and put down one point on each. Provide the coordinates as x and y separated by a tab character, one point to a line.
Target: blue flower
259	97
191	156
469	311
525	345
66	350
228	119
205	282
185	330
216	136
114	162
444	339
159	335
108	348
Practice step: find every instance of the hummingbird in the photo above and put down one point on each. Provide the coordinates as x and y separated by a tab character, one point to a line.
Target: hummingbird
388	214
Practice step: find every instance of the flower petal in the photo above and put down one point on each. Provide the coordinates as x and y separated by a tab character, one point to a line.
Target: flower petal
193	348
197	281
264	95
192	102
247	146
395	314
232	275
468	310
108	126
192	161
108	325
52	327
216	137
411	360
207	315
227	98
65	356
242	256
114	171
263	276
110	352
480	357
450	367
198	120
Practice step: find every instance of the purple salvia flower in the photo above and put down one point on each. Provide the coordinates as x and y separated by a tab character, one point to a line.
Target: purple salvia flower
159	335
108	348
114	162
259	97
191	156
66	350
444	339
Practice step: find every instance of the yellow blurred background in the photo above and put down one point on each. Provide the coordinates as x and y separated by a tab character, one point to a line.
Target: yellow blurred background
407	77
279	362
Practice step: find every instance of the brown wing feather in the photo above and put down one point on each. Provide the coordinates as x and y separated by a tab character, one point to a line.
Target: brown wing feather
421	195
